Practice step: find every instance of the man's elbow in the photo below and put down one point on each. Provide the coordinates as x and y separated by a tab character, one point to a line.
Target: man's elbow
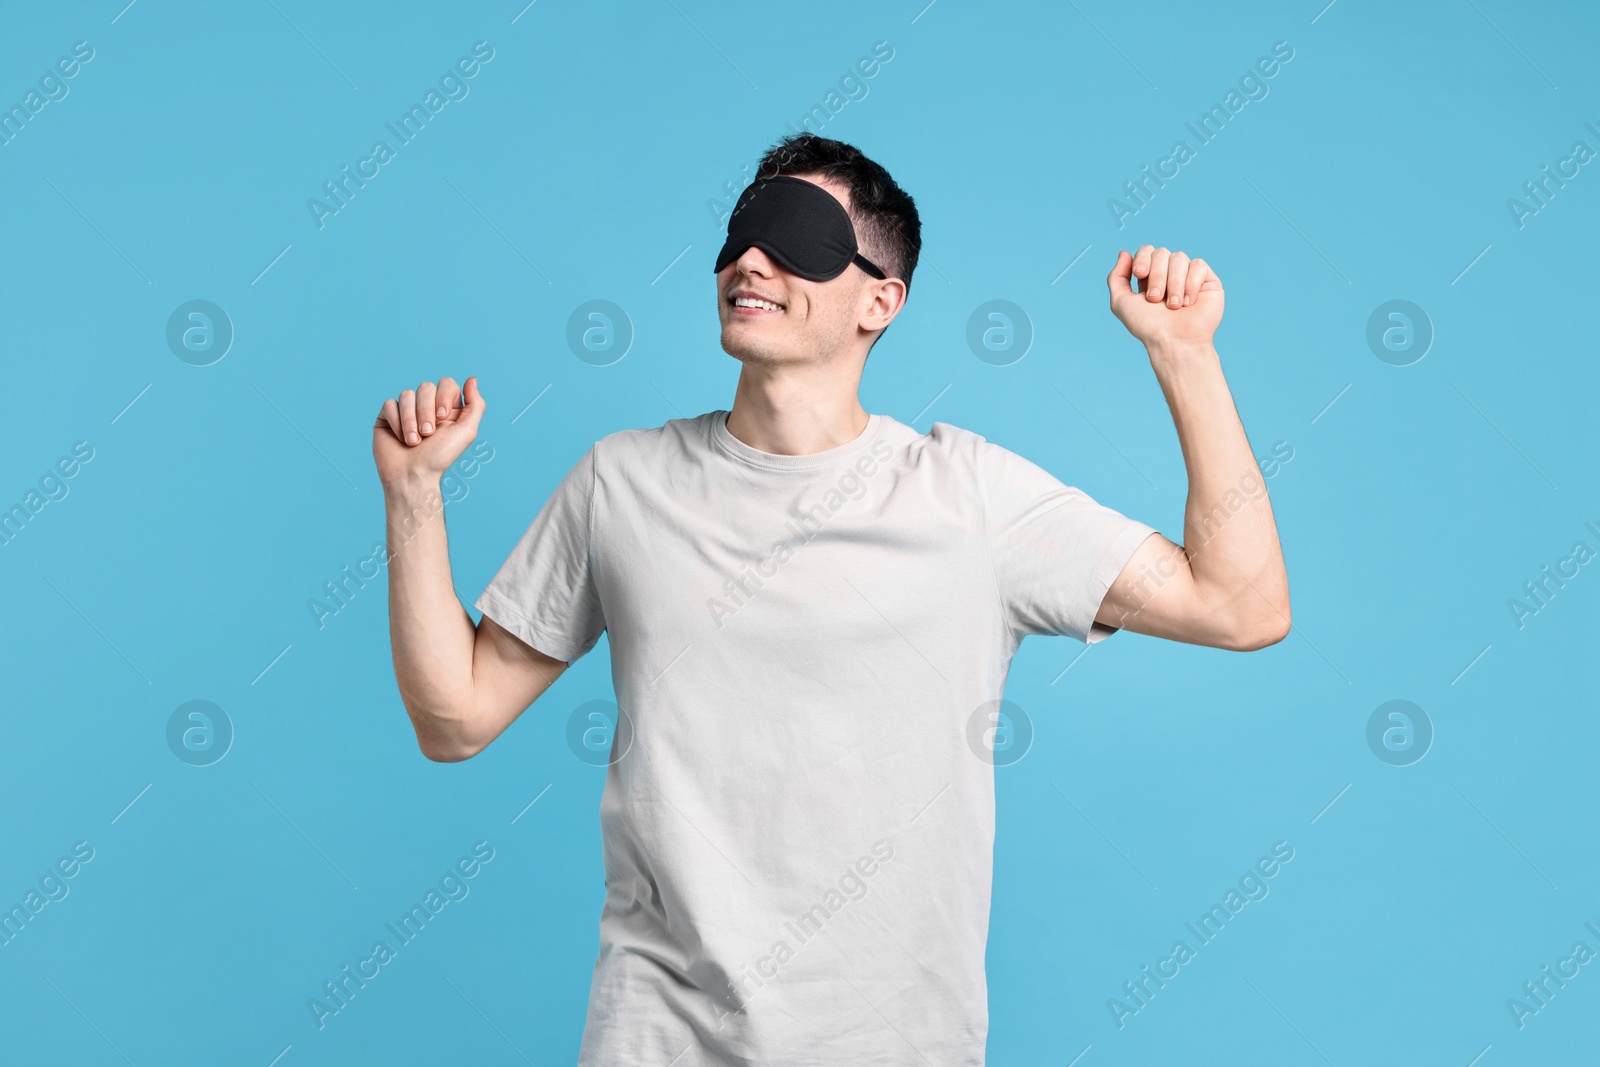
1256	640
1259	630
447	739
448	751
1258	627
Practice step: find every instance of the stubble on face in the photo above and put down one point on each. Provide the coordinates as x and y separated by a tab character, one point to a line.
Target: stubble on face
816	325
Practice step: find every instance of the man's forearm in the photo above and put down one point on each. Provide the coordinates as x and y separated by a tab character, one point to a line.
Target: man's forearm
1230	535
430	631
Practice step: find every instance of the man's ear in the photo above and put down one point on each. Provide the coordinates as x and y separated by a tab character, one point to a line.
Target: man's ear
888	298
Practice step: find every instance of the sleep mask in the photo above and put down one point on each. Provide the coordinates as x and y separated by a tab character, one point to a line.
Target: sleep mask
797	223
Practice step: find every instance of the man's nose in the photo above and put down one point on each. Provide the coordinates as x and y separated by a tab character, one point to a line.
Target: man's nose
754	260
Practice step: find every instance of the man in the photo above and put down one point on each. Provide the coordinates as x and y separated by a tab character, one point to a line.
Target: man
811	610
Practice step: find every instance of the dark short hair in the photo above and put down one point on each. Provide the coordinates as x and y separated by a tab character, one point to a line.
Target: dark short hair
887	225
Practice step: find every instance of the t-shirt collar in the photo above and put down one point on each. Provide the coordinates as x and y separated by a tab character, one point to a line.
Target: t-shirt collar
754	457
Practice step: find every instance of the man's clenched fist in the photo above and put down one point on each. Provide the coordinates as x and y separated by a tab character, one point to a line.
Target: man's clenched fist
419	435
1179	301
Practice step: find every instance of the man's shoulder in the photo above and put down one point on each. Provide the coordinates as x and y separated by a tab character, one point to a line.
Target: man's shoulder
958	445
970	456
672	439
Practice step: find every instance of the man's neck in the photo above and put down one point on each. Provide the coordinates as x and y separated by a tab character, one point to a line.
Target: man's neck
788	412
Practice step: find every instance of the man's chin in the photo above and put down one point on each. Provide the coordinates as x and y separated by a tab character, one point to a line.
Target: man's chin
743	350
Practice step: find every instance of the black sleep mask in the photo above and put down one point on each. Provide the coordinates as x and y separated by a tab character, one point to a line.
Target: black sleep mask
797	223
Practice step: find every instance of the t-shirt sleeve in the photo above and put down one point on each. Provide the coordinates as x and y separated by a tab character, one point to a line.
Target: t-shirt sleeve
545	592
1055	551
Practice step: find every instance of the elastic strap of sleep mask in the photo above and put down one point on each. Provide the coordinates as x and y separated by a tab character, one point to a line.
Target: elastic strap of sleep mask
867	265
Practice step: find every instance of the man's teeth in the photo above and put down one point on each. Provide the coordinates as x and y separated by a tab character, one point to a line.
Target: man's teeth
752	302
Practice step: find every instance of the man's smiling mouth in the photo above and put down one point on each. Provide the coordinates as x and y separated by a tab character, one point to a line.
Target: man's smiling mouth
745	303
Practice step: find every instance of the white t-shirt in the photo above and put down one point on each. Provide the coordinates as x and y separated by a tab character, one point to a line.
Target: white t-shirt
799	841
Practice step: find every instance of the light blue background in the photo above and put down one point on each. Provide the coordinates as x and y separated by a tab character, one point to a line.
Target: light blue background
582	162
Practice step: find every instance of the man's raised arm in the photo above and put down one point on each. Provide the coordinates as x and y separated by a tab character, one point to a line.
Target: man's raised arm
461	685
1226	586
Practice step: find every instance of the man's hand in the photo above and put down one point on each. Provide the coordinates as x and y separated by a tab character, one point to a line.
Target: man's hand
418	436
1179	302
